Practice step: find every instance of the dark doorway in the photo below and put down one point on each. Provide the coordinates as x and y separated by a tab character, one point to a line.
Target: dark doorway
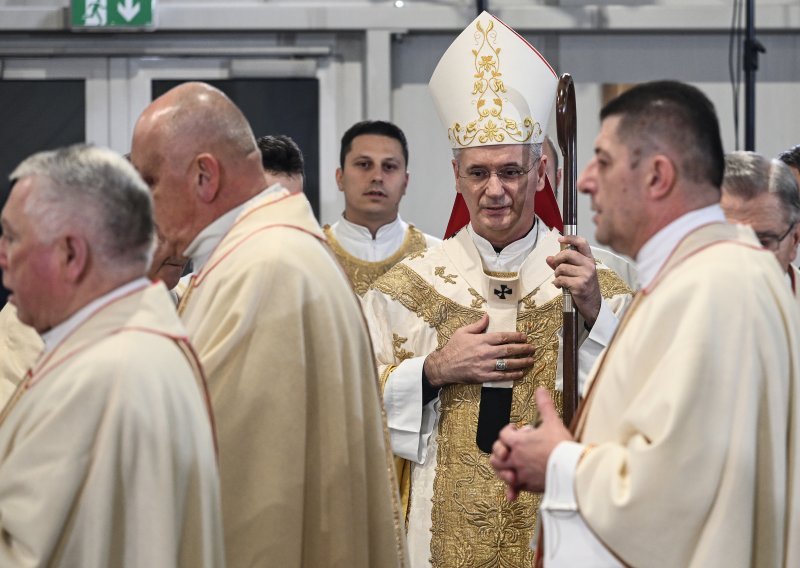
36	116
276	106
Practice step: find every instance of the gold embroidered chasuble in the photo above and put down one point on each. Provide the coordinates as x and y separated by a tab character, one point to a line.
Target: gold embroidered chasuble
106	449
306	470
414	309
693	415
20	345
363	273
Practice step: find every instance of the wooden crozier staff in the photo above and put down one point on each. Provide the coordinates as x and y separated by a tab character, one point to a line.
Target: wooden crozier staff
566	124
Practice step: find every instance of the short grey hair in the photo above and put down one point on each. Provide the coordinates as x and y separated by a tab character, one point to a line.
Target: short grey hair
748	175
791	157
535	150
98	191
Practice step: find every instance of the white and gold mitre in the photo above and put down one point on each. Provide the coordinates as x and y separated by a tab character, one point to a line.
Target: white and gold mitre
493	87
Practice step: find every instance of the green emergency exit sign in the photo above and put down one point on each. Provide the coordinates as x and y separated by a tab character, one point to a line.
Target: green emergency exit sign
112	14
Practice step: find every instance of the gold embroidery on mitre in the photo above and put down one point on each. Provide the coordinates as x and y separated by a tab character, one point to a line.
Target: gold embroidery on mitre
491	125
473	523
362	273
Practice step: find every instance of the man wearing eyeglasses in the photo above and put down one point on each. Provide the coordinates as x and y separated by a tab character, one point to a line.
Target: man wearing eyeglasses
763	193
465	331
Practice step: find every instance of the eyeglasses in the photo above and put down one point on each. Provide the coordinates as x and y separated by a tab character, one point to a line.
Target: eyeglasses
508	175
771	241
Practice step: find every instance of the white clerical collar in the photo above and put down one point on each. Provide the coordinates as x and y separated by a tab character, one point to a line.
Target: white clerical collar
55	335
509	259
657	249
390	232
207	240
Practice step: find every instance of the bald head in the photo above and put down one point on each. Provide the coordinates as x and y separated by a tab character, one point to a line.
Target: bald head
196	151
199	117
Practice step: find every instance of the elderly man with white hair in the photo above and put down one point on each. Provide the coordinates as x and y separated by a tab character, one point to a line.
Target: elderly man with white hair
106	446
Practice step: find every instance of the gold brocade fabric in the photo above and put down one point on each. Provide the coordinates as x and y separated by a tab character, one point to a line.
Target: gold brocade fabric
411	290
611	284
496	532
362	273
473	524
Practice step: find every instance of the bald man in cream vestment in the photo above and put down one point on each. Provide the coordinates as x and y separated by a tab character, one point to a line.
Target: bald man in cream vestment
307	477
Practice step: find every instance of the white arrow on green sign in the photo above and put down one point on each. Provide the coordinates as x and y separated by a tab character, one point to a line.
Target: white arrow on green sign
132	14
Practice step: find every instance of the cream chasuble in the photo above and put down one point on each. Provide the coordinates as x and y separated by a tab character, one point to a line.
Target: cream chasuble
691	419
20	345
365	259
458	514
307	476
106	450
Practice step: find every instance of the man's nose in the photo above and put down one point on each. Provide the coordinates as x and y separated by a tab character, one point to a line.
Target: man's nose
494	186
586	183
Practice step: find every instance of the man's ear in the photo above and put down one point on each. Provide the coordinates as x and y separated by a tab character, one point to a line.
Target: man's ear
795	236
559	174
660	176
455	174
541	170
339	174
207	177
74	251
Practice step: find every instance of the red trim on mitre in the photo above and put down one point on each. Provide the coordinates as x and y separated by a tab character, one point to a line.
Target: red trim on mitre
545	207
536	51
